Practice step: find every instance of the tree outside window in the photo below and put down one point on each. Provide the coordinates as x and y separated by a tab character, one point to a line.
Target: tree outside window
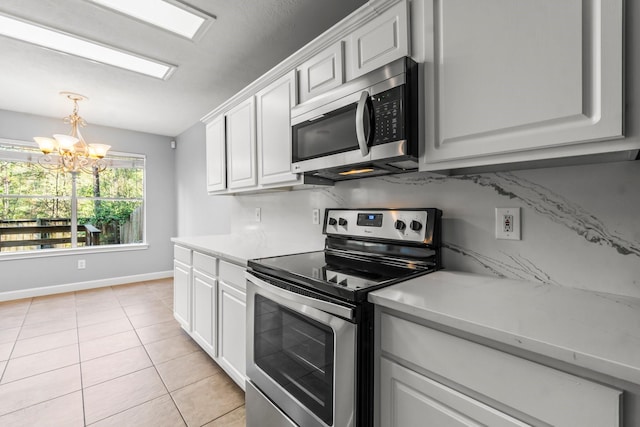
35	203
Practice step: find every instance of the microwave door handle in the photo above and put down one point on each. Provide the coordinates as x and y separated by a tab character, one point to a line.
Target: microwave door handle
363	139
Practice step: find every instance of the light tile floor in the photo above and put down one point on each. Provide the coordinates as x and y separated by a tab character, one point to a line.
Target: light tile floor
112	356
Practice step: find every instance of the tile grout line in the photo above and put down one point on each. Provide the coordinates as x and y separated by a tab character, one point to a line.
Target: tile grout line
80	363
152	365
13	347
84	411
158	373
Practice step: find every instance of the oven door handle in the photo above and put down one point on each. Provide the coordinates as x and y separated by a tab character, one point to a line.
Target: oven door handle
302	300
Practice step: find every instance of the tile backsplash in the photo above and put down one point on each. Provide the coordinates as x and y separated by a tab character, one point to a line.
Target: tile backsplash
580	224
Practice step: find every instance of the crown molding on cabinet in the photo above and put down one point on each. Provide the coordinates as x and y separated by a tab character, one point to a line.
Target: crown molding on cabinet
339	31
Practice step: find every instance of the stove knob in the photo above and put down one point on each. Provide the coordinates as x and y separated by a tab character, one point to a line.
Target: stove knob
342	222
400	225
332	221
415	225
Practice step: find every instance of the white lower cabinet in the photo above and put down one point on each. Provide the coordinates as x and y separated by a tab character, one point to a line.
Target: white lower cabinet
205	291
232	333
210	304
409	399
428	377
182	286
232	355
182	294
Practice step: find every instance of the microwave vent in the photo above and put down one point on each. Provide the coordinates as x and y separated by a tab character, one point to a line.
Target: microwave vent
404	165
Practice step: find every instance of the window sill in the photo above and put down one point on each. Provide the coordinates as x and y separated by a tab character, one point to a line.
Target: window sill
46	253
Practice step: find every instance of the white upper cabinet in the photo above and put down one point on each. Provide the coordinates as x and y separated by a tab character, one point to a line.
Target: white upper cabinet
380	41
241	145
216	157
273	110
322	72
511	77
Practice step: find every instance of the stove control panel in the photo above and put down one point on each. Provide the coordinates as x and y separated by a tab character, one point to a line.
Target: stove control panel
411	225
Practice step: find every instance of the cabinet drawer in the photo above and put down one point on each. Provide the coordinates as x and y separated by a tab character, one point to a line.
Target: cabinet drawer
232	274
408	399
546	394
205	263
182	254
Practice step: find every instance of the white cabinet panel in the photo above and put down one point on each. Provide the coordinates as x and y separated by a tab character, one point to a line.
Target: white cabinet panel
322	72
408	399
241	145
516	76
204	311
380	41
232	332
273	110
182	294
216	157
548	395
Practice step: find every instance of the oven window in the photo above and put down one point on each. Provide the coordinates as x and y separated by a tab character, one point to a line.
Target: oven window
333	133
297	353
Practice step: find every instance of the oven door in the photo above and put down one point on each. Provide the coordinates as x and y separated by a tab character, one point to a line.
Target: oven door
301	354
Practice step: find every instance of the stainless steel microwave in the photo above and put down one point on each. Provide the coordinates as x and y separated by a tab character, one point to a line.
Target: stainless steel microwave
366	127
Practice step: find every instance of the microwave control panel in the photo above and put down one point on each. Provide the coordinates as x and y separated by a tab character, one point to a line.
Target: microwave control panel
388	112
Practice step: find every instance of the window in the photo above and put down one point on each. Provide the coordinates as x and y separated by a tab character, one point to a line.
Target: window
35	203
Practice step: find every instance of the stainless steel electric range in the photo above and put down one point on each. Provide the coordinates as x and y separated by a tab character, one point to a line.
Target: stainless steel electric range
309	324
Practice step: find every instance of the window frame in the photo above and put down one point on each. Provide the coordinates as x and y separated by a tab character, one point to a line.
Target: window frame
54	252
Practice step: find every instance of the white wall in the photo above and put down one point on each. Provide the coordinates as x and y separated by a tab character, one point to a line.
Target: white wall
160	220
197	213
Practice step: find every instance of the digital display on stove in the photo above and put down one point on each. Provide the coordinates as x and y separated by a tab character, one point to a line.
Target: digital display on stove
370	220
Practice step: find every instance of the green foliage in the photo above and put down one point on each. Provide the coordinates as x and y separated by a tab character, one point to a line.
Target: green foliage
108	212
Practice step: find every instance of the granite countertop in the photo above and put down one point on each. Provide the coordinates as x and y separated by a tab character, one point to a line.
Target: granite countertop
596	331
239	248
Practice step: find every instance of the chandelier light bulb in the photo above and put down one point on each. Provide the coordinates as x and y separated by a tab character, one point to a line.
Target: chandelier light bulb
46	145
66	142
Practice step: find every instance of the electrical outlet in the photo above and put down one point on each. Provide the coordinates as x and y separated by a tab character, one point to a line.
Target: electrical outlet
257	215
82	264
508	223
315	216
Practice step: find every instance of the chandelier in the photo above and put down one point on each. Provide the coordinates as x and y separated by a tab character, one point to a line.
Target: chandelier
71	153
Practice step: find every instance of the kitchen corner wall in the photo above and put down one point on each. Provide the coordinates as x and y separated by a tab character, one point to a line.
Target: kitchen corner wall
580	224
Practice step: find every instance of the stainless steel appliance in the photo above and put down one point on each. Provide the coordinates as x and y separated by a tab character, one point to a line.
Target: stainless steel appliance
366	127
309	324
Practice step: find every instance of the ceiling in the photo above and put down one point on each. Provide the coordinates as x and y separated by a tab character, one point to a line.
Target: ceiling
248	38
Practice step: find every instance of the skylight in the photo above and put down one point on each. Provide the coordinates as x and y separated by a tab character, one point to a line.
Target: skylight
94	51
174	17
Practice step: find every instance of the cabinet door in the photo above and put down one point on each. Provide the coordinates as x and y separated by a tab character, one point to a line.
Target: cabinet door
322	72
384	39
408	399
241	146
204	311
232	332
182	294
516	76
216	157
273	108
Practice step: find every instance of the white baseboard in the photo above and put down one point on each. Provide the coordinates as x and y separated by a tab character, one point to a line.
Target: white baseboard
79	286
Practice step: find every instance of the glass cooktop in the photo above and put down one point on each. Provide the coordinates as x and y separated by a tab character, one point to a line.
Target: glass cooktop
344	277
